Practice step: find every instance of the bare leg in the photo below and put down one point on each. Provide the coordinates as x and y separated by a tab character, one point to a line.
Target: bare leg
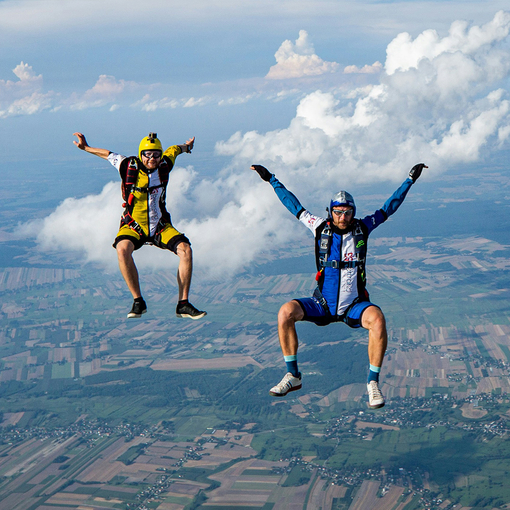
288	315
127	266
373	320
184	270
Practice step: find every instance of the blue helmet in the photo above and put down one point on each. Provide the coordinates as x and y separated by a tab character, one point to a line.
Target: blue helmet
343	198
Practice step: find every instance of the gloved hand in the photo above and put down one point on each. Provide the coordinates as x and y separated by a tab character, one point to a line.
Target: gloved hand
416	171
264	173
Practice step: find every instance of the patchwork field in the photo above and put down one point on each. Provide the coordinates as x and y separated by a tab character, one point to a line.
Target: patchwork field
99	412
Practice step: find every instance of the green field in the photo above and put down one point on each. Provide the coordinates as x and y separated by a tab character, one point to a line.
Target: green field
49	367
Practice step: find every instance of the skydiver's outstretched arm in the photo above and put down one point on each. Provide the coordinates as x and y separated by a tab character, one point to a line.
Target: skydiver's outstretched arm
188	146
394	202
84	146
288	199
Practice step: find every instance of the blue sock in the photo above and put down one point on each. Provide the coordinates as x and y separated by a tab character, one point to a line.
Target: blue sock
373	373
291	362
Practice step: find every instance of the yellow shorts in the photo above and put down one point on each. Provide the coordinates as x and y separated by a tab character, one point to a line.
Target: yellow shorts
168	238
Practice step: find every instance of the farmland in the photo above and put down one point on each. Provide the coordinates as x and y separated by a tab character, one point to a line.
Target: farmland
99	412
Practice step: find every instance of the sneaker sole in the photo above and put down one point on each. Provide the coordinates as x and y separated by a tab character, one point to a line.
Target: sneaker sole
376	406
135	315
273	394
188	316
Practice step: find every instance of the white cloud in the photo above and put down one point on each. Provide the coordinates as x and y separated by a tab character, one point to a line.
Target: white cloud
403	53
236	100
375	68
106	90
66	228
444	108
26	74
299	60
200	101
35	103
212	213
465	137
147	104
23	96
57	16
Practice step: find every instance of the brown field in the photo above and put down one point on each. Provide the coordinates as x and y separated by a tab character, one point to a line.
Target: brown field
107	466
299	410
468	411
187	488
365	496
289	498
348	392
67	499
370	425
205	364
390	499
227	495
324	498
318	495
11	418
245	439
39	452
169	506
220	455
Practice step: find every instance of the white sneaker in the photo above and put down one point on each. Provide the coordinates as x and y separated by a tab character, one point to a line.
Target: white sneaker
375	397
288	383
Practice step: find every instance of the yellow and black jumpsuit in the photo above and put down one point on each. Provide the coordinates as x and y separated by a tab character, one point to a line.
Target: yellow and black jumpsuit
145	218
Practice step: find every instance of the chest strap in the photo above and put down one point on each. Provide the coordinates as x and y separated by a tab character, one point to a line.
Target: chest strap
147	189
339	264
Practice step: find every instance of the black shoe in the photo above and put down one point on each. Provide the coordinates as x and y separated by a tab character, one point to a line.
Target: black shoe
188	310
138	308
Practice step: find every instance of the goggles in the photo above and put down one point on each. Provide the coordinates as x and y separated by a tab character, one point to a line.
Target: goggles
337	212
151	154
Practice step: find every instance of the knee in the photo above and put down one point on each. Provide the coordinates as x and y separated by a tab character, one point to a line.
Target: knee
184	251
124	250
375	320
287	314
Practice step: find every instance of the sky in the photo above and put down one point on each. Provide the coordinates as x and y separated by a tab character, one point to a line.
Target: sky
328	95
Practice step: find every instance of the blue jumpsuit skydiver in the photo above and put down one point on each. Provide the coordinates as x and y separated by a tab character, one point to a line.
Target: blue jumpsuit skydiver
341	246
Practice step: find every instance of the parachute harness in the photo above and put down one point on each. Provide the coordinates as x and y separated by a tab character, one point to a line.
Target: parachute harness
129	188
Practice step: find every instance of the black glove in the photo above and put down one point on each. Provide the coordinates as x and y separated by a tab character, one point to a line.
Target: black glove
264	173
416	171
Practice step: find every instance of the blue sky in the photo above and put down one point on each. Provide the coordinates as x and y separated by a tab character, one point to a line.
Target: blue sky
332	92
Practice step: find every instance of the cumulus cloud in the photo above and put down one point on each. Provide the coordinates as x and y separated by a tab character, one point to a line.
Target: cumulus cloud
147	104
23	96
442	106
375	68
84	225
298	60
446	106
105	91
35	103
212	213
236	100
27	82
197	101
403	53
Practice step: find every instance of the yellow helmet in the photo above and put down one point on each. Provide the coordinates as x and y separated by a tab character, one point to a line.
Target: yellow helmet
150	143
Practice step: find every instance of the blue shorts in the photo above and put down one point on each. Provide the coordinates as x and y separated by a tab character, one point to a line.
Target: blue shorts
314	312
